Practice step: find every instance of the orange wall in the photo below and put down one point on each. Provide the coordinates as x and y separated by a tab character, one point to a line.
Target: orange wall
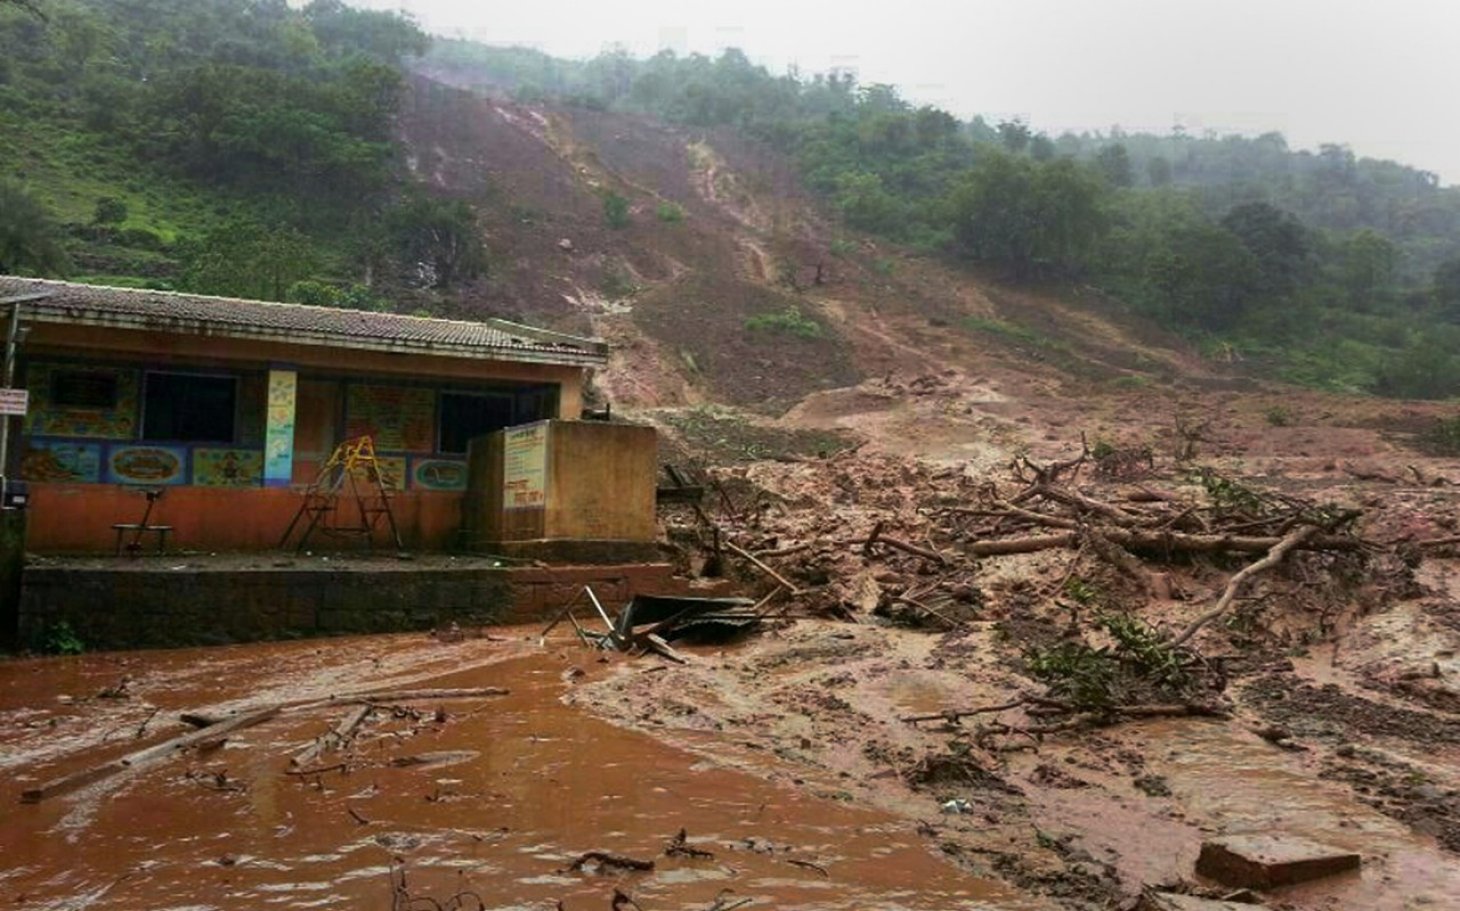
78	518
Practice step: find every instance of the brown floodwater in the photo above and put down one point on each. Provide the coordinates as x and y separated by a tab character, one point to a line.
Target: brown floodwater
512	790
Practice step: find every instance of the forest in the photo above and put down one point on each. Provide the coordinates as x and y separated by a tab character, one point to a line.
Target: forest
246	147
240	147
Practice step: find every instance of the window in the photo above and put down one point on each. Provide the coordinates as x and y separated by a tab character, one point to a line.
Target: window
95	389
189	407
465	416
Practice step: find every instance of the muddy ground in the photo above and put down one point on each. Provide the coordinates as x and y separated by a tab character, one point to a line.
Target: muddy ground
1330	689
786	754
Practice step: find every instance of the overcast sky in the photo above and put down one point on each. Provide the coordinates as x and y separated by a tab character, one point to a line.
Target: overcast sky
1377	75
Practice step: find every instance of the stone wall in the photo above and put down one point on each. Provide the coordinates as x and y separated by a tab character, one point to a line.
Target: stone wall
126	606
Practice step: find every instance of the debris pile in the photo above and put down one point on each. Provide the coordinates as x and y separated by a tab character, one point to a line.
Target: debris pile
903	540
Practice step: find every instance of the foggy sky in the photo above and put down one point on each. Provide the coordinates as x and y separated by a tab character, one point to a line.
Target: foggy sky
1377	75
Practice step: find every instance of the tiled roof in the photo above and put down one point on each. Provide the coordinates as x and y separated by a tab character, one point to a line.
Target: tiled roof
167	311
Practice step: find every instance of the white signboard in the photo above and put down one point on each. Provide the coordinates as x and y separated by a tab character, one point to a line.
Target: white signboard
14	401
524	475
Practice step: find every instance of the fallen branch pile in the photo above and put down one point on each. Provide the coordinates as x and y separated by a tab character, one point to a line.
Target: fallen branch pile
930	528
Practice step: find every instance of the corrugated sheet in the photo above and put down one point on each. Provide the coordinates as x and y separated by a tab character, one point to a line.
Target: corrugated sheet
171	311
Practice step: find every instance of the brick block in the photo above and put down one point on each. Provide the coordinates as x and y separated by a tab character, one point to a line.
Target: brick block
1265	861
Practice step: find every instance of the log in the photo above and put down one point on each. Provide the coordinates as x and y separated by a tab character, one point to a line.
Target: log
1027	545
1163	541
609	859
77	780
783	551
383	696
913	549
1079	501
964	713
1275	555
658	645
751	558
872	538
335	738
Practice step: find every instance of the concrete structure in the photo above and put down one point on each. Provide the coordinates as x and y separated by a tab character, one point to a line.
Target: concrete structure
1262	861
1170	901
565	490
228	404
147	602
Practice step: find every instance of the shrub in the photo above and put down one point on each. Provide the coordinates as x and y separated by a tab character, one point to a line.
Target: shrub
1444	437
618	284
615	210
1280	416
669	213
140	239
60	639
790	321
109	211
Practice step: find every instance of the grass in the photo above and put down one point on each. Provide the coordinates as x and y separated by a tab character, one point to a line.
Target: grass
1009	331
69	168
790	321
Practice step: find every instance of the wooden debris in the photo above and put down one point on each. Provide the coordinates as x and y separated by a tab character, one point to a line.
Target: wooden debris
758	564
336	738
1274	556
77	780
679	846
609	859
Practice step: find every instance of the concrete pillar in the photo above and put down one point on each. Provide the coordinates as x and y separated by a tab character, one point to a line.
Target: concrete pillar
12	565
279	427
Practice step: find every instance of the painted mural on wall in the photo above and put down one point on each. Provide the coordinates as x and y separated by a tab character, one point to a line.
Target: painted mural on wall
392	474
438	474
147	464
61	462
111	394
397	418
228	467
279	430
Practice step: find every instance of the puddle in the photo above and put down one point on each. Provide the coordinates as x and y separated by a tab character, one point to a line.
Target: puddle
514	788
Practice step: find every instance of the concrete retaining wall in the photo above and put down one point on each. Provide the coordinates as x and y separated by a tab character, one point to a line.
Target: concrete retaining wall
130	606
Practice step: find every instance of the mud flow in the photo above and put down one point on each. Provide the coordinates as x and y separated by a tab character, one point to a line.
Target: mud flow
492	796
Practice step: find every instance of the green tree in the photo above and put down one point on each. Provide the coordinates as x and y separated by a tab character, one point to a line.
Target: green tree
30	241
1027	216
1445	287
615	210
1370	263
1277	240
247	259
1113	162
1158	171
1015	135
439	239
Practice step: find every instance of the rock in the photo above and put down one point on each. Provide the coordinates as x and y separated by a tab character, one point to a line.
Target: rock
566	245
1265	861
1170	901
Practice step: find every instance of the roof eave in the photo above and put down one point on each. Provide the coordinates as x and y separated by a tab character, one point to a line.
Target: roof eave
72	314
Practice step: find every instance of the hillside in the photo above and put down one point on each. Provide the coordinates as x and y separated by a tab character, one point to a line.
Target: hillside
748	239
